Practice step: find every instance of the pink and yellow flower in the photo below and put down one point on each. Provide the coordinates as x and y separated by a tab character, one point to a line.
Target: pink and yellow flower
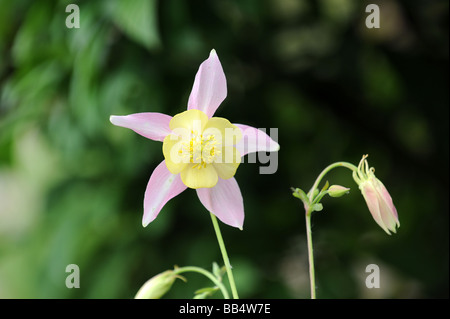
201	152
377	197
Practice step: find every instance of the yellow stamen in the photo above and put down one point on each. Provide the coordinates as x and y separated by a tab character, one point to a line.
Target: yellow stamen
200	150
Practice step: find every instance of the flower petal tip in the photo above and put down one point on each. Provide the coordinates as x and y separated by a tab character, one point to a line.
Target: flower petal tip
112	119
277	147
210	86
145	222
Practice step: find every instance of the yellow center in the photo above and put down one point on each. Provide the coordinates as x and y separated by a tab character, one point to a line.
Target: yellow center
201	149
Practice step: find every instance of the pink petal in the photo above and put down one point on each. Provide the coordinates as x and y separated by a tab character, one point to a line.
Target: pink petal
254	140
387	217
371	197
388	211
388	200
154	126
162	187
225	201
210	86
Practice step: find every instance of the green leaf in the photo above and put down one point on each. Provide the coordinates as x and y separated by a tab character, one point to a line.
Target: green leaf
300	194
325	187
317	207
138	20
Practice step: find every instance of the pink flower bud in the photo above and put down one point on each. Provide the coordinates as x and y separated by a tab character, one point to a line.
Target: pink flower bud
377	197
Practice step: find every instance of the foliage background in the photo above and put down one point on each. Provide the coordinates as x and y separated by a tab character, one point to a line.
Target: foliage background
72	184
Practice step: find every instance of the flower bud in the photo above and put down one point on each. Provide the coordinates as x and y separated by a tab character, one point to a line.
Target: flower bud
158	285
377	197
337	190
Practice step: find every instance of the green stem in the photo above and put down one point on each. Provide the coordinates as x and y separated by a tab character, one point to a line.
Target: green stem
325	171
207	274
224	256
312	278
308	212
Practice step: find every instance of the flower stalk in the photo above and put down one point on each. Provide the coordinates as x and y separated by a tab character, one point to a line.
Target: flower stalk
206	274
225	256
312	276
312	203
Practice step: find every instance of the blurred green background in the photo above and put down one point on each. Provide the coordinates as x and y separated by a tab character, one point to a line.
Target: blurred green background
72	184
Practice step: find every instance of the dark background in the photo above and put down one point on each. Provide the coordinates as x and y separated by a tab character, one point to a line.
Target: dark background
72	184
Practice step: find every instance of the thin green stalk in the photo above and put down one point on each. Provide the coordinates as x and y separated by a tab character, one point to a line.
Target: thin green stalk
312	277
207	274
325	171
224	256
308	213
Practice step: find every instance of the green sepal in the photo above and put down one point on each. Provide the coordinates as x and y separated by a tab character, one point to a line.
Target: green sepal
300	194
325	187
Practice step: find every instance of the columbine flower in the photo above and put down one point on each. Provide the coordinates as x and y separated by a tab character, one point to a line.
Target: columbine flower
201	151
377	197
